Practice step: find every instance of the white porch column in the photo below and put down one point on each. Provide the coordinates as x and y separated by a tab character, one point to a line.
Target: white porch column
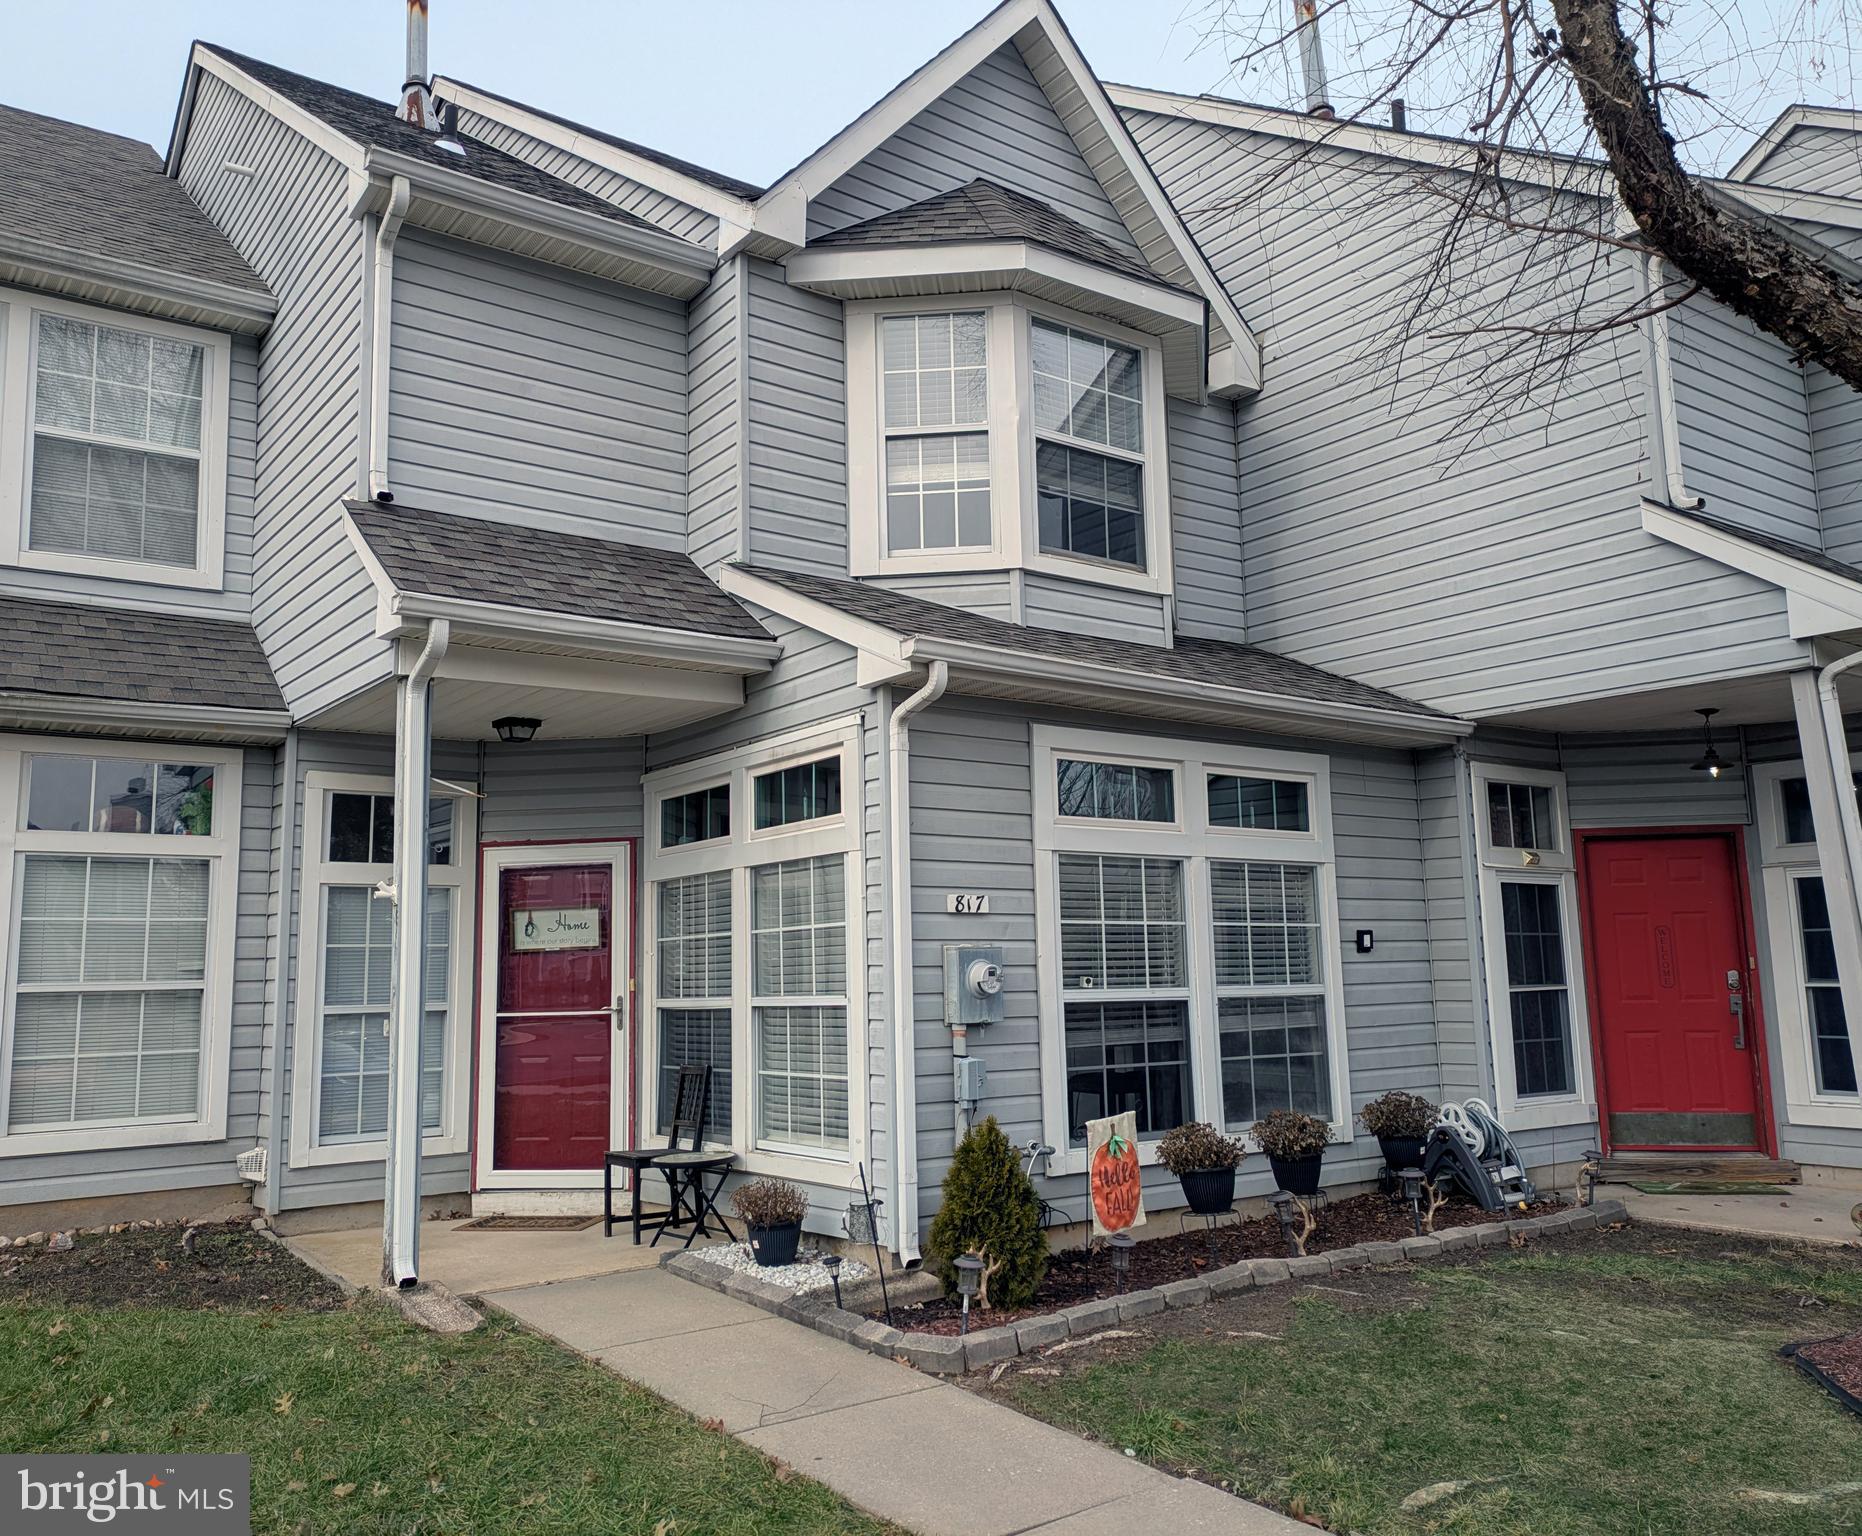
1826	811
413	761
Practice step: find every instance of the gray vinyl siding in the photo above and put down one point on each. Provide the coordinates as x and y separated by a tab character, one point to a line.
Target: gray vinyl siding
206	1164
1813	159
972	821
989	593
1205	507
233	598
1446	832
312	605
1836	436
1480	575
717	389
996	122
1744	430
657	208
1084	607
798	426
525	393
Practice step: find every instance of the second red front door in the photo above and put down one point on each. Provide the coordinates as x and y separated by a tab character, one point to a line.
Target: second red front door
1676	1026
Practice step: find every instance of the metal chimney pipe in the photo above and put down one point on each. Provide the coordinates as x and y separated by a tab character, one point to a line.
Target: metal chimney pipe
416	98
1399	114
1312	57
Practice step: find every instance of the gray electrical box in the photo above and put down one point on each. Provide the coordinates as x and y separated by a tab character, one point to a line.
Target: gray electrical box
971	1073
972	984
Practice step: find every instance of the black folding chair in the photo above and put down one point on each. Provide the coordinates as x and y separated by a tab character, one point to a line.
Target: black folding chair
691	1101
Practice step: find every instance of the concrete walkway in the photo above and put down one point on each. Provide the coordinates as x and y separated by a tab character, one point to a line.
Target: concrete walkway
1809	1213
929	1456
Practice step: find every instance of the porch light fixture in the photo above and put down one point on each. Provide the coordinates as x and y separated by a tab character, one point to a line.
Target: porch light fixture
515	729
1709	762
1121	1244
969	1279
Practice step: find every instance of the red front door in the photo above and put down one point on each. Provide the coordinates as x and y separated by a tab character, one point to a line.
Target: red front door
1677	1030
555	1018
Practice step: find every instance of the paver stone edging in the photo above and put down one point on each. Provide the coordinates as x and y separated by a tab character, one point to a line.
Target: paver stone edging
947	1355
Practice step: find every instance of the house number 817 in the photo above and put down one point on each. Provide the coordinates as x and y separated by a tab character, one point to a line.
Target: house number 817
966	903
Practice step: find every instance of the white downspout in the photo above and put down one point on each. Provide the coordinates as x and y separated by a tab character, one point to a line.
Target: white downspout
413	767
1668	421
899	900
1836	739
387	230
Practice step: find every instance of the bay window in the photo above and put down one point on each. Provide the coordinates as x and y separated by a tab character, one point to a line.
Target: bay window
1528	912
1187	951
340	1076
755	941
1000	432
117	427
117	910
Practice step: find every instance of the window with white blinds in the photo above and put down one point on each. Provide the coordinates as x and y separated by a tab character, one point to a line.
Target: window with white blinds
693	992
799	1001
340	1077
121	894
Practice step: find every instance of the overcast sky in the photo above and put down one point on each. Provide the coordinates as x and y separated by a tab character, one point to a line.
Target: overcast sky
743	86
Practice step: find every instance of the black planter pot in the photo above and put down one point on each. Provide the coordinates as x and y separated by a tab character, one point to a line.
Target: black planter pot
1300	1176
1209	1190
1401	1152
775	1245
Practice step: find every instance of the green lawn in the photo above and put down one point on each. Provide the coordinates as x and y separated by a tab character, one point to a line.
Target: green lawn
358	1422
1605	1387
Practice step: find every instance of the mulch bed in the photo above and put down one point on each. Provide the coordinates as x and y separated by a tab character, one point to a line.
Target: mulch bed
226	1267
1077	1275
1834	1363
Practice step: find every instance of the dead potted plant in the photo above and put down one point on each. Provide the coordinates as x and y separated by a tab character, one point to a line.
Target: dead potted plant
1401	1122
1295	1145
772	1211
1204	1161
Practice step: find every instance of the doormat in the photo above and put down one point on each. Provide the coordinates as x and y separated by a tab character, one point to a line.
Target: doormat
1706	1187
527	1224
1834	1364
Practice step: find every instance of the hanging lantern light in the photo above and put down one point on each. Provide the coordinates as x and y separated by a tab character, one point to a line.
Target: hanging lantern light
1709	762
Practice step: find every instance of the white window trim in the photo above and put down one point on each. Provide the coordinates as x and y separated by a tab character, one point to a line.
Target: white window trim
1548	866
1014	506
221	849
1195	842
318	871
18	353
1782	864
743	850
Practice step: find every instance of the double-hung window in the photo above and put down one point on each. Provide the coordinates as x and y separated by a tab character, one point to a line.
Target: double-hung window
754	931
117	427
1820	1038
346	967
1188	901
117	909
998	433
1535	993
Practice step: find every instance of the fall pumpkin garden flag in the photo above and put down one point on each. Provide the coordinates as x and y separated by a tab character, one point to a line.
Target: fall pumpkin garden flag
1112	1171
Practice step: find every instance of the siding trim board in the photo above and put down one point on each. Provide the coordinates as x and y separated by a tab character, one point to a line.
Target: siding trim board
1821	597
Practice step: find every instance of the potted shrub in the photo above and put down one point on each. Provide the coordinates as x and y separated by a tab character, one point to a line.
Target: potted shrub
772	1211
1204	1161
1295	1146
1401	1122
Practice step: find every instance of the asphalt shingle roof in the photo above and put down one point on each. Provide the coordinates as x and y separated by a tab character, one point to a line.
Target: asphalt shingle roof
1219	663
370	122
77	651
474	560
986	210
1777	545
716	180
105	195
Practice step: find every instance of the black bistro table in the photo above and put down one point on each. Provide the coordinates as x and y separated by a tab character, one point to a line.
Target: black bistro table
695	1180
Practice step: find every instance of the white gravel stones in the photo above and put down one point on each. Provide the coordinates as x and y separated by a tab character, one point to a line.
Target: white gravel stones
804	1275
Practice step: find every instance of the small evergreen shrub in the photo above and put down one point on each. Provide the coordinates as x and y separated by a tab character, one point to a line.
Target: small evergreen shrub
1398	1114
1199	1148
990	1209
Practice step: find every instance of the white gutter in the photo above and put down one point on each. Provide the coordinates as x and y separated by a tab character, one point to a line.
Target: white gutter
1836	739
280	997
899	899
381	316
413	766
1667	420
